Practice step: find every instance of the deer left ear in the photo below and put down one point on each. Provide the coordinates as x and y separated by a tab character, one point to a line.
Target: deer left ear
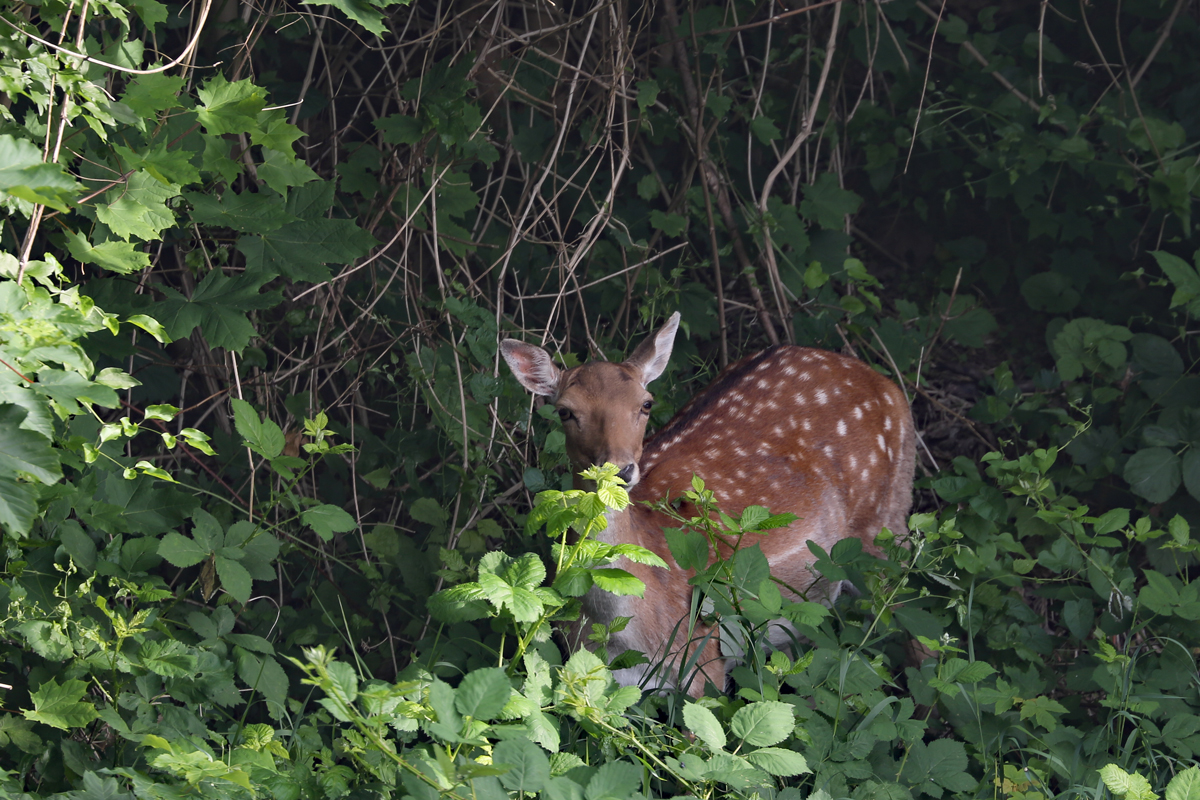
533	367
651	356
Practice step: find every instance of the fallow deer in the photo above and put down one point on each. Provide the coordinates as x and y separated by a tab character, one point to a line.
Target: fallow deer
794	429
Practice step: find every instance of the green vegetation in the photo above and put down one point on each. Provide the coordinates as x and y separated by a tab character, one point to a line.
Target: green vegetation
277	523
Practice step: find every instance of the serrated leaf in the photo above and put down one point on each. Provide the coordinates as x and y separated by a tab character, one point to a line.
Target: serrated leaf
248	212
1154	473
327	520
262	436
618	582
616	780
23	451
181	551
61	706
483	693
529	769
1185	785
24	175
704	724
229	107
300	250
234	578
764	723
219	305
777	761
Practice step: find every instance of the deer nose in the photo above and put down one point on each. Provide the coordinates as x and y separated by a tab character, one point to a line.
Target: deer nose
628	473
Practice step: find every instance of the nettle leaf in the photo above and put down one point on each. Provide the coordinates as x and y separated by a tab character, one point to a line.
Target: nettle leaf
61	706
704	724
763	724
230	107
326	520
483	693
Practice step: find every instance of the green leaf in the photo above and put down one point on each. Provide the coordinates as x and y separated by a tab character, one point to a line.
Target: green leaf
618	581
778	761
1126	786
280	170
1185	785
326	520
181	551
647	94
1154	473
61	706
234	578
689	549
529	769
248	212
764	129
262	436
218	306
24	175
23	451
763	724
670	224
704	724
363	12
616	780
300	250
827	203
483	693
230	107
400	129
120	257
149	94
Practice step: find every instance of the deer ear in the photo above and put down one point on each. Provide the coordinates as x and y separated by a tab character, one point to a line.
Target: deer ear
652	354
533	367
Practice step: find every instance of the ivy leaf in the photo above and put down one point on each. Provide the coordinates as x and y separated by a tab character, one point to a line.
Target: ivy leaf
763	724
61	706
325	520
704	724
230	107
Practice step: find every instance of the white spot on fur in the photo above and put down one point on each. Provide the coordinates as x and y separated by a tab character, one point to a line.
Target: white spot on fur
740	452
789	370
841	427
889	452
800	399
858	412
822	398
887	398
873	458
864	473
887	423
829	451
764	450
808	424
882	443
777	430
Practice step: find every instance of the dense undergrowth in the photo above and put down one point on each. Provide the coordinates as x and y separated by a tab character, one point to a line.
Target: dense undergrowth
276	523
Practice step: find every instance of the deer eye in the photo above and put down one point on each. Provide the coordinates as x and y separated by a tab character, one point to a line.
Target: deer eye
564	414
646	406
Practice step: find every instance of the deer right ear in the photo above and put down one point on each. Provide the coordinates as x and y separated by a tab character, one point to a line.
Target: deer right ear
533	366
652	354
